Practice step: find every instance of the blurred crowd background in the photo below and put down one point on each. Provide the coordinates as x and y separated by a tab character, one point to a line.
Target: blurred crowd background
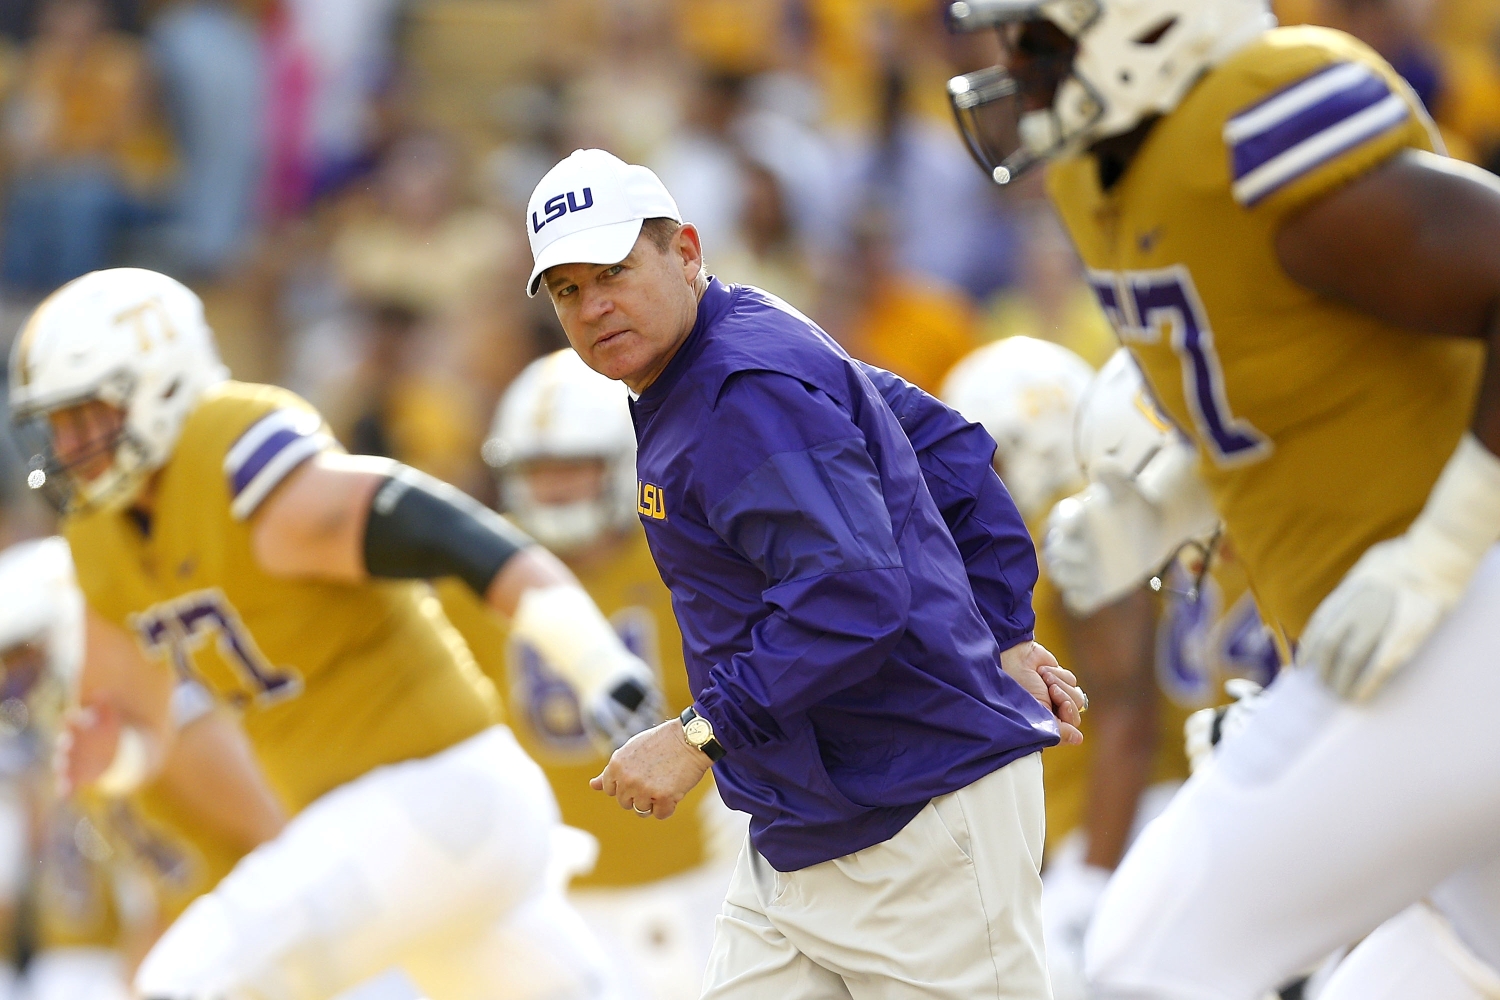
344	181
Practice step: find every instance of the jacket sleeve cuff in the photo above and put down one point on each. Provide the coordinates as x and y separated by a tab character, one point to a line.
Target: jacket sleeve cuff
721	713
1006	640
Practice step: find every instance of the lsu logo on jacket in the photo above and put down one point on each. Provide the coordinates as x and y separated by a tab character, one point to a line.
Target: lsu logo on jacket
650	501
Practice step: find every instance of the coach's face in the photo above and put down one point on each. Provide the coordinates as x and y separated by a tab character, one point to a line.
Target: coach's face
627	320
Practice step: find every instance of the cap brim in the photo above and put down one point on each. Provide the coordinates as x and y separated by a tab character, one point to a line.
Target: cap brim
600	245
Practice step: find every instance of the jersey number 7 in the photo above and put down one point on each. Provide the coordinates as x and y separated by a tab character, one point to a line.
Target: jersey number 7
179	626
1141	306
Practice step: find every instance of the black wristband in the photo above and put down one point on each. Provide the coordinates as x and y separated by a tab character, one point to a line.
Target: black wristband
422	528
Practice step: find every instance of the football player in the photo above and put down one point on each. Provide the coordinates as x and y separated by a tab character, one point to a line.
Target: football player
1309	288
1145	670
220	534
563	449
84	933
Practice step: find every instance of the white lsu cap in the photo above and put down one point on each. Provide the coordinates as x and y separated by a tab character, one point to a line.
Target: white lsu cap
589	209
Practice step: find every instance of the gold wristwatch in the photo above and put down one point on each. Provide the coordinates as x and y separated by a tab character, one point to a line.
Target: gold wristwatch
700	733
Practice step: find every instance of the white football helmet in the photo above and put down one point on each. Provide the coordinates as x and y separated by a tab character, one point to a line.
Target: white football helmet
1119	428
132	338
1144	503
1080	71
41	605
560	408
1025	392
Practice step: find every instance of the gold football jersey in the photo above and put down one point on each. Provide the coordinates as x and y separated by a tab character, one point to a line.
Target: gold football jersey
72	900
332	679
545	715
1321	429
158	839
88	849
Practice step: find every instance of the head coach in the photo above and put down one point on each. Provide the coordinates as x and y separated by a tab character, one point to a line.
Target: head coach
848	688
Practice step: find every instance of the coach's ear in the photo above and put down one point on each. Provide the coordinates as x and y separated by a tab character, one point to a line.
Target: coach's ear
687	246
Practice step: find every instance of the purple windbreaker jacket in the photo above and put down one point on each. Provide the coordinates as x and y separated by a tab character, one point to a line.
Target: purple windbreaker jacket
829	626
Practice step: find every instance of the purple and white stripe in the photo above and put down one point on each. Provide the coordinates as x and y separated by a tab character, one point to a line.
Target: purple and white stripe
273	446
1302	126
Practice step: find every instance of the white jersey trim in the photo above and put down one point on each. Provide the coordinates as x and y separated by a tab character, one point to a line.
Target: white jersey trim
264	455
1320	148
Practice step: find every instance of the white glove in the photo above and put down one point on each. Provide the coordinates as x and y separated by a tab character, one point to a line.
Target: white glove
1070	894
1104	542
615	688
1389	603
1206	728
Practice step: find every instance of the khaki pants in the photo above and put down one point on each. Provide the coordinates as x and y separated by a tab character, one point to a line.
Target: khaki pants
947	908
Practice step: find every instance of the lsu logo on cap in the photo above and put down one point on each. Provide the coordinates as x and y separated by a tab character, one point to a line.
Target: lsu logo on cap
650	501
560	205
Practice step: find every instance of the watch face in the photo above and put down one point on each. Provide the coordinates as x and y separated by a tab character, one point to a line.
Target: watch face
698	731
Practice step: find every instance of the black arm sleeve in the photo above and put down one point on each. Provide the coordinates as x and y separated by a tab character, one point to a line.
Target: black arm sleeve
422	528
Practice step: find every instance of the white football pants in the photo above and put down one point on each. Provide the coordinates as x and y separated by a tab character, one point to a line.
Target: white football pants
1071	891
1318	822
75	974
657	936
439	866
1413	956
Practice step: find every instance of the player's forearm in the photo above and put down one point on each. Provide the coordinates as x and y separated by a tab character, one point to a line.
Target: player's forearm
1114	651
1123	741
213	774
121	730
532	568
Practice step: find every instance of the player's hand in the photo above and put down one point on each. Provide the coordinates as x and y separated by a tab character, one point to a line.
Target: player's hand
1037	670
1378	615
653	772
616	689
86	747
1104	542
1206	728
1389	603
625	704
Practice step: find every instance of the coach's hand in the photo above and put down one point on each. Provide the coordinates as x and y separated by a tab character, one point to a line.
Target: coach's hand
1037	670
653	771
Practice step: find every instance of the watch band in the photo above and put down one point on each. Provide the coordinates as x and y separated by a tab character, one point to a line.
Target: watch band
712	748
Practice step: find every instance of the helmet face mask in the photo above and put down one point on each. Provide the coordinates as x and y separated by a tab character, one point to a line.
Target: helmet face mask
100	463
564	503
1028	110
1077	72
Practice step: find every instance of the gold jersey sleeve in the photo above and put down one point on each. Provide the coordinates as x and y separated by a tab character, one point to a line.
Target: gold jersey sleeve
545	715
332	679
1321	429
